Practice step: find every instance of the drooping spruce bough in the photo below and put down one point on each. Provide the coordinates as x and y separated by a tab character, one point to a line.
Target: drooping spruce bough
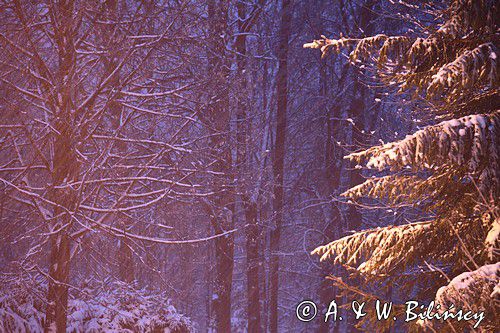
450	169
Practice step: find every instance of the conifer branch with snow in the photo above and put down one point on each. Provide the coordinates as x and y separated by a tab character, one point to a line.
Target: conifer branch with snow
450	169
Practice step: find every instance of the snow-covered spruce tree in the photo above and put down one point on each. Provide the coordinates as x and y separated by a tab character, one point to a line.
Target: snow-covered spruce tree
449	169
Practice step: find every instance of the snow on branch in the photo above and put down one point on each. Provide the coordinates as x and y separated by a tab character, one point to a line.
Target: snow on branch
377	252
476	290
402	189
469	284
492	238
465	15
334	45
470	67
374	251
470	141
423	63
363	47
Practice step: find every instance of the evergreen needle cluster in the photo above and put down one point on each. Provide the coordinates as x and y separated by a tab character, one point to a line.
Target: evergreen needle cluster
450	169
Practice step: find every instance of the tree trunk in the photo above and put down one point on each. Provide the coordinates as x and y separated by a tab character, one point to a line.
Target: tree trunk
333	165
125	259
56	312
244	166
65	169
253	263
218	120
278	159
358	112
224	253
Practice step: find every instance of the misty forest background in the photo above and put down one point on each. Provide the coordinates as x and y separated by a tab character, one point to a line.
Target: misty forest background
171	165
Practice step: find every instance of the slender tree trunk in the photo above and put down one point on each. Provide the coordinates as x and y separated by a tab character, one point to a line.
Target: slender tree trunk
125	259
253	290
278	158
126	268
218	119
359	113
56	312
333	165
262	208
124	256
224	253
243	163
65	169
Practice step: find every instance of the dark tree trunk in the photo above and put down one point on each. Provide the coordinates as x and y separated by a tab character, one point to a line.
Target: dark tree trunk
65	169
333	165
125	260
56	312
124	257
278	159
263	212
359	113
224	253
243	162
218	121
253	263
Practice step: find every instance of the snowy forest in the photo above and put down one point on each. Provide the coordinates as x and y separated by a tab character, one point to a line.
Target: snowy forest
213	166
